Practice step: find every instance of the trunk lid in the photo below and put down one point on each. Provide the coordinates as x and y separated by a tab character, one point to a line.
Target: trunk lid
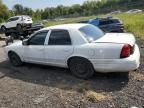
126	38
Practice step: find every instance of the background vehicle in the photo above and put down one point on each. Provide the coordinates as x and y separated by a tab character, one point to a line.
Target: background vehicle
115	12
134	11
81	47
18	22
16	34
108	24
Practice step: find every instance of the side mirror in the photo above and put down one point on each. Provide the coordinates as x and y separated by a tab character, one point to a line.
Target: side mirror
25	42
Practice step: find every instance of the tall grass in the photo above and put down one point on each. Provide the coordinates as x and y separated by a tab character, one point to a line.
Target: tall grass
133	23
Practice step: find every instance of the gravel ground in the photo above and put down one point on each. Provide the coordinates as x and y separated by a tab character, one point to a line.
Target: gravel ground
35	86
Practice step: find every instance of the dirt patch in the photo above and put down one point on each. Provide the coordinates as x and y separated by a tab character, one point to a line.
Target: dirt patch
95	97
2	37
137	76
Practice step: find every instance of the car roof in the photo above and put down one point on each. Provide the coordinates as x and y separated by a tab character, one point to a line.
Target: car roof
66	26
107	18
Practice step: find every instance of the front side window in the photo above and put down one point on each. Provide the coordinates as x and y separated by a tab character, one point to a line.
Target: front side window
91	32
38	38
9	20
13	19
59	37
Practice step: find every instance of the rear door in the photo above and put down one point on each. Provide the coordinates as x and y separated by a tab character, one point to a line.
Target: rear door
59	47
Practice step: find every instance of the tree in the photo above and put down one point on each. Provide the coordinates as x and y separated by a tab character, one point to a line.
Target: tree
27	11
36	15
89	7
18	9
4	14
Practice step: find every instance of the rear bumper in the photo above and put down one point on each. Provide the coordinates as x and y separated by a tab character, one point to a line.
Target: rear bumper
118	65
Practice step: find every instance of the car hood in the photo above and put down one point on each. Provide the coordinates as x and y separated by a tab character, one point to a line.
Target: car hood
18	43
117	38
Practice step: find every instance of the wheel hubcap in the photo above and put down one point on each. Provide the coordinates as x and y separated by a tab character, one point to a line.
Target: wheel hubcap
13	59
81	68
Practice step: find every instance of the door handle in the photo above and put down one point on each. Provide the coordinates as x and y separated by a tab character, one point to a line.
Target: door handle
66	50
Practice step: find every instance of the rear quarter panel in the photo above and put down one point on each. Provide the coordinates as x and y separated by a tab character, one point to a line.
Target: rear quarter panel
98	50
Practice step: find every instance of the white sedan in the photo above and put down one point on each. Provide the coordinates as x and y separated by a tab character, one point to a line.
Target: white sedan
82	48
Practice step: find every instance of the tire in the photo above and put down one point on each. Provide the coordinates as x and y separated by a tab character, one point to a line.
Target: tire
15	59
14	35
81	68
7	34
19	27
3	28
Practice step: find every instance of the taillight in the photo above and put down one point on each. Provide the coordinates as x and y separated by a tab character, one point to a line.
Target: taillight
126	51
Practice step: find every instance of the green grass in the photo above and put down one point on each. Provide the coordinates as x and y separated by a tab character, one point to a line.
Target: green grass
133	23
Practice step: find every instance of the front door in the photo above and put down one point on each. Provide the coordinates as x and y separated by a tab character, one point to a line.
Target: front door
34	51
9	23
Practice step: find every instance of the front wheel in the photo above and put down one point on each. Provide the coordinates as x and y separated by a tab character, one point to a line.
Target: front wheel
15	59
81	68
3	28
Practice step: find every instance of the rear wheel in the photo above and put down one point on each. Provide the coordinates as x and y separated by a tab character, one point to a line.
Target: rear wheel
81	68
19	27
15	59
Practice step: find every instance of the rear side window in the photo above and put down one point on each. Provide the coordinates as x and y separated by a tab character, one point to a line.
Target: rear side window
9	20
115	21
111	21
59	37
104	22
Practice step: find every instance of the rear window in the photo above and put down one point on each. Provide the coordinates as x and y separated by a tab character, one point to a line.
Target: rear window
91	32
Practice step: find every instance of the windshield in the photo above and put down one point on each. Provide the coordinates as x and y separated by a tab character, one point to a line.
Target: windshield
91	33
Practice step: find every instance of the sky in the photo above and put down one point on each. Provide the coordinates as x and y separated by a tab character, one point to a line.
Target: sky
41	4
